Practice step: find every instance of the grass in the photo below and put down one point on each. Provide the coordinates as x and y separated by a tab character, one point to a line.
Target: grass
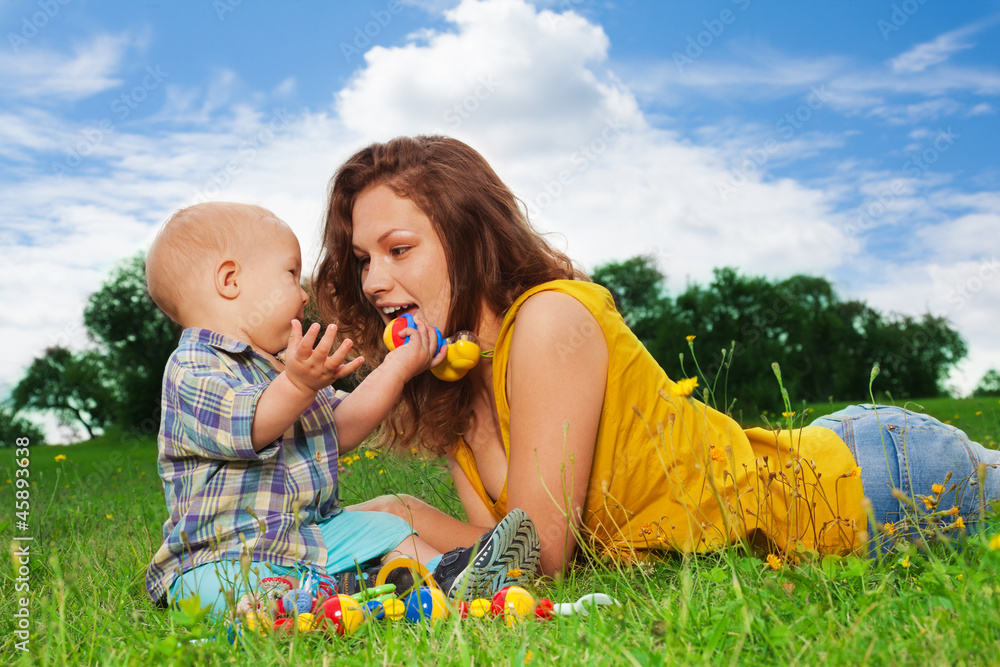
96	518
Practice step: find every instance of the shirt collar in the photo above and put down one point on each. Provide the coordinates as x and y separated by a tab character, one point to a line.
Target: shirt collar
214	339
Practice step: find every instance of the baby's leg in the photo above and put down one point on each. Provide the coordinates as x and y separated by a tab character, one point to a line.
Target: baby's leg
413	547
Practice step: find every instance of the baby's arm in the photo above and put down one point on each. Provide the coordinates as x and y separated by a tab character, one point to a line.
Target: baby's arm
307	371
369	404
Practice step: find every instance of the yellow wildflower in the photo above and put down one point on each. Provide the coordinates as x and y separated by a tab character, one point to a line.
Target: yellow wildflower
959	523
774	562
855	471
414	450
381	472
109	516
514	573
690	338
995	542
685	387
786	415
889	528
717	453
937	488
529	656
906	561
953	511
928	503
979	413
646	530
370	454
60	457
947	421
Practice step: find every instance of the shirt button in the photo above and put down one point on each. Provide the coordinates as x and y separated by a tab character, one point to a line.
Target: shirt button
319	457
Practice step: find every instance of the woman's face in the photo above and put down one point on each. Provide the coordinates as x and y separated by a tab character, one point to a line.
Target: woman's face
403	264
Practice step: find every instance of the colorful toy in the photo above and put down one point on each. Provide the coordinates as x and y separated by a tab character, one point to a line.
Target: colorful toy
306	622
295	601
257	623
463	348
514	604
374	609
543	609
342	613
284	625
394	609
281	609
480	608
404	574
426	603
584	604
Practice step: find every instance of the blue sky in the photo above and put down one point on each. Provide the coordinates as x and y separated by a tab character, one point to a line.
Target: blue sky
854	140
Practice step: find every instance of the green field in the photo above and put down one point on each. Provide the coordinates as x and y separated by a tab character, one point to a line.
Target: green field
96	515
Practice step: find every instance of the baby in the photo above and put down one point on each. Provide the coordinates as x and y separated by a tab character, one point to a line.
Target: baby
251	428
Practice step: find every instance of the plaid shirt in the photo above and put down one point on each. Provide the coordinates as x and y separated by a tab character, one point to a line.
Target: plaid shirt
212	476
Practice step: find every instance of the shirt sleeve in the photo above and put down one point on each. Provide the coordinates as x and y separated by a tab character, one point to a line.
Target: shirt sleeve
318	417
216	412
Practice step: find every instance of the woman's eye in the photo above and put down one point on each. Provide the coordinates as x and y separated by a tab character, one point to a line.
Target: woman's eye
399	250
362	261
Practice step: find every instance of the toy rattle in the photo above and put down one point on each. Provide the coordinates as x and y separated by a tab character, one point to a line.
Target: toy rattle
463	348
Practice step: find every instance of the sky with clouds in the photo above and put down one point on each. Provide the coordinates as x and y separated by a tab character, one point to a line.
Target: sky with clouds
853	140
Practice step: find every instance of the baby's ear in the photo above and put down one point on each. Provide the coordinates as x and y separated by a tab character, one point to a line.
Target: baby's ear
227	279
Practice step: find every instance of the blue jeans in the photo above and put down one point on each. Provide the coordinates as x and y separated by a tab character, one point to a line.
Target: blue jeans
899	449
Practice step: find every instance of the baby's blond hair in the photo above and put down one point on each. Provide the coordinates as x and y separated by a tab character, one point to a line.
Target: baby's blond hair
188	247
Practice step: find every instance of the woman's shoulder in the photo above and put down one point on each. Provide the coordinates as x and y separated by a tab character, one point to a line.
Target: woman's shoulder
561	297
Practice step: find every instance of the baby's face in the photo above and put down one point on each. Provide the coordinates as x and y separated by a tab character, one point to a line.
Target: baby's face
271	293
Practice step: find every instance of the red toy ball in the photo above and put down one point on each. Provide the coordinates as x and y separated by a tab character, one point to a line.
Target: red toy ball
342	613
543	609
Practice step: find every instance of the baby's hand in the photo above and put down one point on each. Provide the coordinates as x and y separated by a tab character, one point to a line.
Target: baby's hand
314	369
418	354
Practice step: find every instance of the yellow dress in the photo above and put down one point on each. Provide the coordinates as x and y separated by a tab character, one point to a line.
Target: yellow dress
671	472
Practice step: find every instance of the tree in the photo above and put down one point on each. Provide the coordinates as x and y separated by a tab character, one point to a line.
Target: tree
825	347
13	427
989	385
137	338
74	386
637	288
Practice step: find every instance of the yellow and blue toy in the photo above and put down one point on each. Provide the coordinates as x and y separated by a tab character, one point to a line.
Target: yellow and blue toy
463	348
426	603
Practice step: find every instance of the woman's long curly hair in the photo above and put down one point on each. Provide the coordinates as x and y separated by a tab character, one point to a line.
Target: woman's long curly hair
493	256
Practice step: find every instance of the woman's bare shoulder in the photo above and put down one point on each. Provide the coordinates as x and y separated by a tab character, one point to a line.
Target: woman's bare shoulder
551	312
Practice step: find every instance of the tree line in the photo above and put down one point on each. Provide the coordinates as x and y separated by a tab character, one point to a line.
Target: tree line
826	346
741	324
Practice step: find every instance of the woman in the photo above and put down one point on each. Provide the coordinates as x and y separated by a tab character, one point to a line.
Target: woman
571	419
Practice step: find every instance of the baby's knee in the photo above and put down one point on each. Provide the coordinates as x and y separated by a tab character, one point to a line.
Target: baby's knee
398	504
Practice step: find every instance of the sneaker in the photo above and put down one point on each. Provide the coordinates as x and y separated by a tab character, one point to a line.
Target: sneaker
350	582
504	556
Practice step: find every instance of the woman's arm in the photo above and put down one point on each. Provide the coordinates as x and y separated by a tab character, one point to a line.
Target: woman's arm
556	376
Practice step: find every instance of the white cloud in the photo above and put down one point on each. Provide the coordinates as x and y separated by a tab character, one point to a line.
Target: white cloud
935	52
535	96
49	75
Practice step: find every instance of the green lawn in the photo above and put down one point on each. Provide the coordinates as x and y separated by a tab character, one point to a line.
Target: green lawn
96	516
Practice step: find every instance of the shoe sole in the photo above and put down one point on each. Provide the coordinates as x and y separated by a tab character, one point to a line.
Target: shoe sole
513	545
